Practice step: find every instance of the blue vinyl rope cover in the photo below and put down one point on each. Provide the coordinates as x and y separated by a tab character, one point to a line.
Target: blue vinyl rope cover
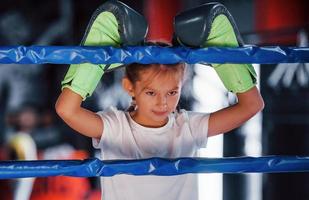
151	54
152	166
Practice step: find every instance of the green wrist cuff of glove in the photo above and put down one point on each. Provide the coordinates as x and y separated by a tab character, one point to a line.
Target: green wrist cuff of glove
237	78
82	79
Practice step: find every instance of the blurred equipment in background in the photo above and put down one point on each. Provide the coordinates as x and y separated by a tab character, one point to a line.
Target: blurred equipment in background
285	88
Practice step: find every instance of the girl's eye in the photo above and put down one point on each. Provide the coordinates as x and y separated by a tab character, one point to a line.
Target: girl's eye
172	93
150	93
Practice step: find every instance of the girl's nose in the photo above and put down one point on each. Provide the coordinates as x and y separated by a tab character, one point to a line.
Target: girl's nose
162	100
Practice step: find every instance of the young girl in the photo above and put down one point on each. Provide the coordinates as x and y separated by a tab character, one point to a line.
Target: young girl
152	127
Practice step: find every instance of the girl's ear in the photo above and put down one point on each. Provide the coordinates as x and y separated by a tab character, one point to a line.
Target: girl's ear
127	86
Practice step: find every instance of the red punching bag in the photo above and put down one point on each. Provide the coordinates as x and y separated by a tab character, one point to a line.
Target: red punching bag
160	15
279	21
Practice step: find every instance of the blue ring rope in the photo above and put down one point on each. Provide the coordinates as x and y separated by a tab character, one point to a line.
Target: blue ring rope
153	166
151	54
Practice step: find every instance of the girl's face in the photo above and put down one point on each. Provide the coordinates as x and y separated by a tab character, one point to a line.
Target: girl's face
156	95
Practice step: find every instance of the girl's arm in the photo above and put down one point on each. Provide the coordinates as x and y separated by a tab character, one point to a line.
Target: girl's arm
86	122
249	103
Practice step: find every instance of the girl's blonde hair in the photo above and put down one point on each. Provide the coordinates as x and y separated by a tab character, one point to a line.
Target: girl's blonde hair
134	71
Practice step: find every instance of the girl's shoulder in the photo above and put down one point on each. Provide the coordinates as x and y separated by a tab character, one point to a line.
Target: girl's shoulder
111	110
189	113
112	113
183	115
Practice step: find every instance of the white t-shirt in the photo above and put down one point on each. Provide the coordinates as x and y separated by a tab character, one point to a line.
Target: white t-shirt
123	138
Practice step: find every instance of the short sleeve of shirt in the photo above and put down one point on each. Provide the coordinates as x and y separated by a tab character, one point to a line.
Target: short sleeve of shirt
110	120
199	127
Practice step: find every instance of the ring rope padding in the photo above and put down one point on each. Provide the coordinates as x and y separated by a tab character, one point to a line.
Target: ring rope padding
151	54
152	166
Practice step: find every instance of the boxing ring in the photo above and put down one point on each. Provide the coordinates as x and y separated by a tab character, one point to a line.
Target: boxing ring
146	55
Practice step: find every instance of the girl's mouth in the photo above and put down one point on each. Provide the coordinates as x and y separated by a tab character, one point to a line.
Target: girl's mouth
160	113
